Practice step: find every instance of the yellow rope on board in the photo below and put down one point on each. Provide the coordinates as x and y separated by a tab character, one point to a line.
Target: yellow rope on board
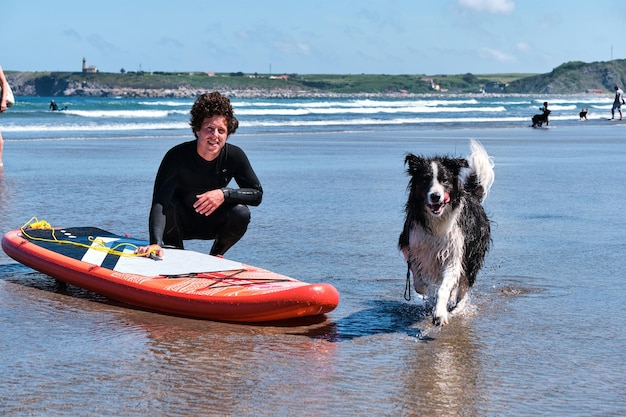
38	224
97	243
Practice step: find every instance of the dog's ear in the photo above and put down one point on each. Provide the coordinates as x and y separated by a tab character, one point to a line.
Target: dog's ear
455	164
415	163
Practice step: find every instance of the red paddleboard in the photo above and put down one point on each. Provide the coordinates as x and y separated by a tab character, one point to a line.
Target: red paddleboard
184	282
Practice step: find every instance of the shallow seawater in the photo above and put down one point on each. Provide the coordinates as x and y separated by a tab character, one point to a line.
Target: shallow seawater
543	334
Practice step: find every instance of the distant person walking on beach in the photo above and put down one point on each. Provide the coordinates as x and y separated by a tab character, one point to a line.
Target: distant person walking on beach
617	103
191	198
3	105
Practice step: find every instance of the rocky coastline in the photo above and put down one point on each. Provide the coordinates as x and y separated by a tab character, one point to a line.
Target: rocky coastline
25	87
158	85
46	85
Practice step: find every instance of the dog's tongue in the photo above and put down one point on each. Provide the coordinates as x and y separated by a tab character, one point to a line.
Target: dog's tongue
446	198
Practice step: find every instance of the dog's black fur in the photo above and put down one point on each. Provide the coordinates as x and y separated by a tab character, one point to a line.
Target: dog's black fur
540	119
446	231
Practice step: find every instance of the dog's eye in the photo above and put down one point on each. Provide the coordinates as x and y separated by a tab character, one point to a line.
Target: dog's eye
424	179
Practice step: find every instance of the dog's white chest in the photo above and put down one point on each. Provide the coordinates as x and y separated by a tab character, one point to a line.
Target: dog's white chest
431	254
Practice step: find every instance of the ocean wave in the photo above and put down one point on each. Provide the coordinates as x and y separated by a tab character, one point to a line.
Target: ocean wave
92	127
560	107
577	100
365	110
363	103
284	111
43	128
124	114
382	122
169	103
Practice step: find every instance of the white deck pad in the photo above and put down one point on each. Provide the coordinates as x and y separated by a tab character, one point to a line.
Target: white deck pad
174	262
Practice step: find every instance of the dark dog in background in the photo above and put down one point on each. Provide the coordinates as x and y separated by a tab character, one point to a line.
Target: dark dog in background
446	231
583	114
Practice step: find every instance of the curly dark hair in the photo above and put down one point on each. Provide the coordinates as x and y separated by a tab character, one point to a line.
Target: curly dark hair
209	105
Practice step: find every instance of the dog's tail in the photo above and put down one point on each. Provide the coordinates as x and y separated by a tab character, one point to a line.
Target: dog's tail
480	175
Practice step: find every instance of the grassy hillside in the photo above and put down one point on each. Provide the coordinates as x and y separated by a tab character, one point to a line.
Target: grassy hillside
569	78
72	83
574	78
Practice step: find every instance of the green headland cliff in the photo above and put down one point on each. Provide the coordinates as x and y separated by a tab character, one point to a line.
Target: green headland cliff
568	78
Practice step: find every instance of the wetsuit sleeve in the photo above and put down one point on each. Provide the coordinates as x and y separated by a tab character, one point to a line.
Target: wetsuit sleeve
164	187
250	191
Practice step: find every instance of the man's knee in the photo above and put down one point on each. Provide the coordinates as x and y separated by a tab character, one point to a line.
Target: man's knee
232	230
239	215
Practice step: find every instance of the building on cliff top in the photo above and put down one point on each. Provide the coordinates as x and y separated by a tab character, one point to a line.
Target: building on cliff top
91	69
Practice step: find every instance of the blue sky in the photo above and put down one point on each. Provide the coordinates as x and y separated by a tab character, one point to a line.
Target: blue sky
311	37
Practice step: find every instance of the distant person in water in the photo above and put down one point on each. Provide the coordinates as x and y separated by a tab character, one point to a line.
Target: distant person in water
191	198
55	107
617	102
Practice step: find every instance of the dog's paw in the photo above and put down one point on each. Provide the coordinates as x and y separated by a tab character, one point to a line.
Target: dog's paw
441	317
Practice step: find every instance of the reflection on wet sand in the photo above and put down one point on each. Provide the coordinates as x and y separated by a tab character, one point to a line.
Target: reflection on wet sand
180	363
445	377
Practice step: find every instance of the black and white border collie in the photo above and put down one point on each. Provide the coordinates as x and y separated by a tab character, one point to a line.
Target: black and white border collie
446	232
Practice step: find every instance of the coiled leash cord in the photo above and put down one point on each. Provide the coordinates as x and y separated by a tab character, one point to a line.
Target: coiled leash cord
407	287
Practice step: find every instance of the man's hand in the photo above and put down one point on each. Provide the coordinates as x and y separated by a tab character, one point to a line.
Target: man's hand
208	202
150	251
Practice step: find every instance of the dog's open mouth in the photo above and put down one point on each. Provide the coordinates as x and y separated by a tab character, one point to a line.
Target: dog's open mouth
437	208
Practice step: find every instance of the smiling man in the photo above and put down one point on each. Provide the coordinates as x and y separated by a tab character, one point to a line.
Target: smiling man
191	197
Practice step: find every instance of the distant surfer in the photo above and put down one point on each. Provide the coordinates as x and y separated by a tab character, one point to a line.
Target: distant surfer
55	107
191	198
617	102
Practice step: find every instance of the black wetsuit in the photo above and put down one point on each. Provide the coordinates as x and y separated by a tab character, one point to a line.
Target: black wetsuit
183	174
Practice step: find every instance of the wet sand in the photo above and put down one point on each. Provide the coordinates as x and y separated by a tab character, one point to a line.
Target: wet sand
542	336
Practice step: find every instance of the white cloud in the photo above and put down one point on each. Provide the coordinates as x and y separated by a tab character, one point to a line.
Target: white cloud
496	55
489	6
522	47
289	47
